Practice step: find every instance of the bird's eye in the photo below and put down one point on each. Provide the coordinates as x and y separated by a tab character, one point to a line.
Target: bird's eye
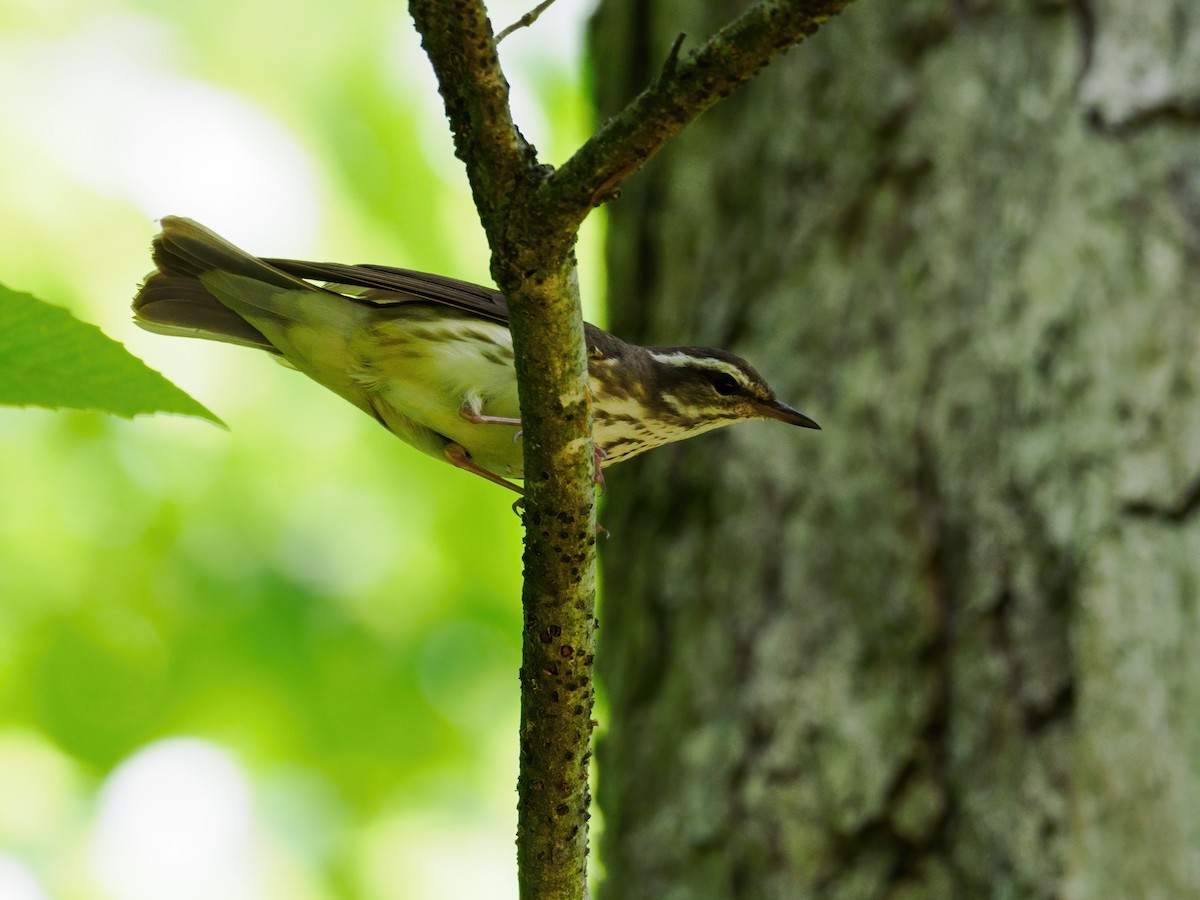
723	383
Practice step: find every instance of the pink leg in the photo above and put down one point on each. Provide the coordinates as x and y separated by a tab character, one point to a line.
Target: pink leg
457	455
479	419
601	455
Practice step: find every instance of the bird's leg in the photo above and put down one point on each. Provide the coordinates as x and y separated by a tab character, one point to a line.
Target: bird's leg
457	455
477	418
601	455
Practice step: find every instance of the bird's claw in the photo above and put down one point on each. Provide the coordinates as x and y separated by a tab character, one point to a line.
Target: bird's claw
518	507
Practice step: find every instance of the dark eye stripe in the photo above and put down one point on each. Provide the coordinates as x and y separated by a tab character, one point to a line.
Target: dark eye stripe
723	383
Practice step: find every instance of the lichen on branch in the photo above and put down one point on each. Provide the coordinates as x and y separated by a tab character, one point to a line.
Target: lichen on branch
531	216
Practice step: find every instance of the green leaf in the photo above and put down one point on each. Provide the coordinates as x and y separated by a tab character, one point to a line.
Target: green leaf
50	358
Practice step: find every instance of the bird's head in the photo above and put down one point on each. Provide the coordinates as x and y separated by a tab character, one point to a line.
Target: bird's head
701	388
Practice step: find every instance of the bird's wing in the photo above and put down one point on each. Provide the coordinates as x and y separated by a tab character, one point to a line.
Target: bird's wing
388	286
174	301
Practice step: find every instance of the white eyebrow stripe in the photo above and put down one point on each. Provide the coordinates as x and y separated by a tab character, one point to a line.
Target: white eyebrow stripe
681	360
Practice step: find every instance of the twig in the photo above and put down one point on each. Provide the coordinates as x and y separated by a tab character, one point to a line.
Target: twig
526	20
724	62
672	60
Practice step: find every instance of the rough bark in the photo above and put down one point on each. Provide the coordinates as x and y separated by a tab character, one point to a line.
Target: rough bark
948	646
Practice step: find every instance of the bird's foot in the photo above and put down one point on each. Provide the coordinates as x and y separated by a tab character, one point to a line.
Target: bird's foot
518	509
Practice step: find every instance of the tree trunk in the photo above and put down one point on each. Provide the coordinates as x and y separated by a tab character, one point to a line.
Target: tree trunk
949	646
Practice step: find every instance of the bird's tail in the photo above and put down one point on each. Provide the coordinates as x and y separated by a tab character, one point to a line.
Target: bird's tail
173	299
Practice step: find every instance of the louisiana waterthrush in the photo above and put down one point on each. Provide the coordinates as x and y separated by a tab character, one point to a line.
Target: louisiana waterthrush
430	357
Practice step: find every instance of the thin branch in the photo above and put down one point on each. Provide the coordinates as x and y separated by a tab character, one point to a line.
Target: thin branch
533	263
531	221
457	37
526	20
558	599
681	93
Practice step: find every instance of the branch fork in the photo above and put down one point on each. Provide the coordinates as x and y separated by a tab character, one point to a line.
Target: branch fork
532	216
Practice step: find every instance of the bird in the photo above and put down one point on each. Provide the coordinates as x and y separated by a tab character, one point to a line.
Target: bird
431	357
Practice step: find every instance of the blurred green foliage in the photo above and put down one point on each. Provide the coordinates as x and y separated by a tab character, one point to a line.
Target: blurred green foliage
335	611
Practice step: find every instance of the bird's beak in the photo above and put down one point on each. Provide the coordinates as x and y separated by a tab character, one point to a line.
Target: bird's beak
784	413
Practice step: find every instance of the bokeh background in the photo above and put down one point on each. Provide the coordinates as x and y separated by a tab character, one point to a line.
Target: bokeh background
278	660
